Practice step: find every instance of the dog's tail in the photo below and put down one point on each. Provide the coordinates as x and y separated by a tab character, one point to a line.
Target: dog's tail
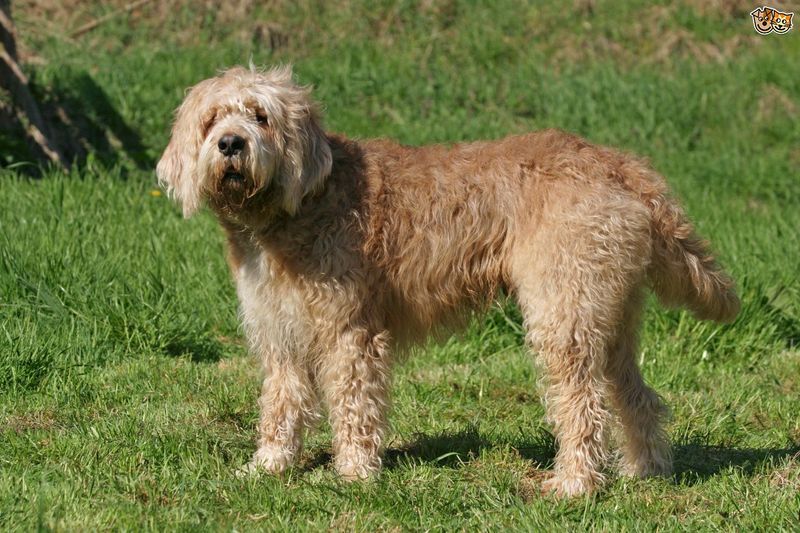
682	270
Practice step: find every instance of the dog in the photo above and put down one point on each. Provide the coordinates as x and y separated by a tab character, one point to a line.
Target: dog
345	253
762	19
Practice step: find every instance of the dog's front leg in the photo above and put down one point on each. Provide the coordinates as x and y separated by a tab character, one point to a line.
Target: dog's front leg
355	380
288	405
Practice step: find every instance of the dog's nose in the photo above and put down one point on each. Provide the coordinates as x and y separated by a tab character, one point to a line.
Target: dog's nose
230	144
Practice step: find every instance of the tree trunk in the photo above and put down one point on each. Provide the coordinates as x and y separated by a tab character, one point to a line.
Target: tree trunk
16	83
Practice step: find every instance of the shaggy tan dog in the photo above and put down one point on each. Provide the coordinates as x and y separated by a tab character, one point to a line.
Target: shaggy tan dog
345	252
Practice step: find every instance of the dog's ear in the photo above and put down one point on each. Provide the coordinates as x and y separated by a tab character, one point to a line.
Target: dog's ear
177	169
307	157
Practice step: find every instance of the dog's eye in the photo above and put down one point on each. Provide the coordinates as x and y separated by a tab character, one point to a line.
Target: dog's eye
208	124
262	119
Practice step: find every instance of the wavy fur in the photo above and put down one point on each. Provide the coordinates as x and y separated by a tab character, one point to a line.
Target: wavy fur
346	251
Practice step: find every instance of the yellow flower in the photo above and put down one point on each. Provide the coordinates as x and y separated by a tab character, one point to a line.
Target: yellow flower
155	192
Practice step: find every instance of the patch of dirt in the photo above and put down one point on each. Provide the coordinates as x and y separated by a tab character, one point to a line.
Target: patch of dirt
651	37
774	101
683	44
179	20
726	8
34	421
530	485
787	477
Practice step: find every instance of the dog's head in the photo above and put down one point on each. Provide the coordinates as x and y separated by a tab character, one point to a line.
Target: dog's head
762	20
240	133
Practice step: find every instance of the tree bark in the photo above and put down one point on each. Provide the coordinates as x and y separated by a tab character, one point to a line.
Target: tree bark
16	83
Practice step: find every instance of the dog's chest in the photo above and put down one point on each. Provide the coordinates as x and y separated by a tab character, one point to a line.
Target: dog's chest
274	312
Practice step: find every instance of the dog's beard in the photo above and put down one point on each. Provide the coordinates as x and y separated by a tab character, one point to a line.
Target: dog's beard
231	182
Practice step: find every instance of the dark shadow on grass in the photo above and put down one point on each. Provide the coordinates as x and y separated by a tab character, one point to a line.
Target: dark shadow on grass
452	450
320	459
85	122
696	462
199	350
86	112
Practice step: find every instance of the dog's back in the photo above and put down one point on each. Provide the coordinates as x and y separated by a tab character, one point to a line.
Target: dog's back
443	221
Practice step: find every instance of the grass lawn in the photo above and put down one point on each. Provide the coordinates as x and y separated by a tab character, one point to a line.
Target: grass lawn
128	399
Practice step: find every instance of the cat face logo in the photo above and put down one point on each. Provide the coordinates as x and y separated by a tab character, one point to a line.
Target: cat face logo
767	19
782	22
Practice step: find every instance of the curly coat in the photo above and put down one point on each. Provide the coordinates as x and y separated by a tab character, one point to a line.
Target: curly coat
346	251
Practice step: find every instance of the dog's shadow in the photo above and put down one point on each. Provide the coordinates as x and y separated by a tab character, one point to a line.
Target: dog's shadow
198	350
453	450
694	462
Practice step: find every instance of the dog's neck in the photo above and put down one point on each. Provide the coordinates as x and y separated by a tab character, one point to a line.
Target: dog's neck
253	215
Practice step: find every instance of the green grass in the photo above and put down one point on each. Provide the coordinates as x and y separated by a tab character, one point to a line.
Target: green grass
127	398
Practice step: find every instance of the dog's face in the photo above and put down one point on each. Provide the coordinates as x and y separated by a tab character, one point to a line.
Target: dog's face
241	133
762	20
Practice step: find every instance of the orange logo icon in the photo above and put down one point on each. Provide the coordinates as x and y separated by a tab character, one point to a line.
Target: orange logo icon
767	20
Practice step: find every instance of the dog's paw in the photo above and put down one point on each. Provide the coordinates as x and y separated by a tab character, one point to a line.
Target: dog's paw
357	466
267	459
644	467
568	486
247	470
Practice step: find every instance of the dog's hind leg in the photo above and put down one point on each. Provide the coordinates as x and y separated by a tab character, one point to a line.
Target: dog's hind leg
571	347
645	450
355	379
572	279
